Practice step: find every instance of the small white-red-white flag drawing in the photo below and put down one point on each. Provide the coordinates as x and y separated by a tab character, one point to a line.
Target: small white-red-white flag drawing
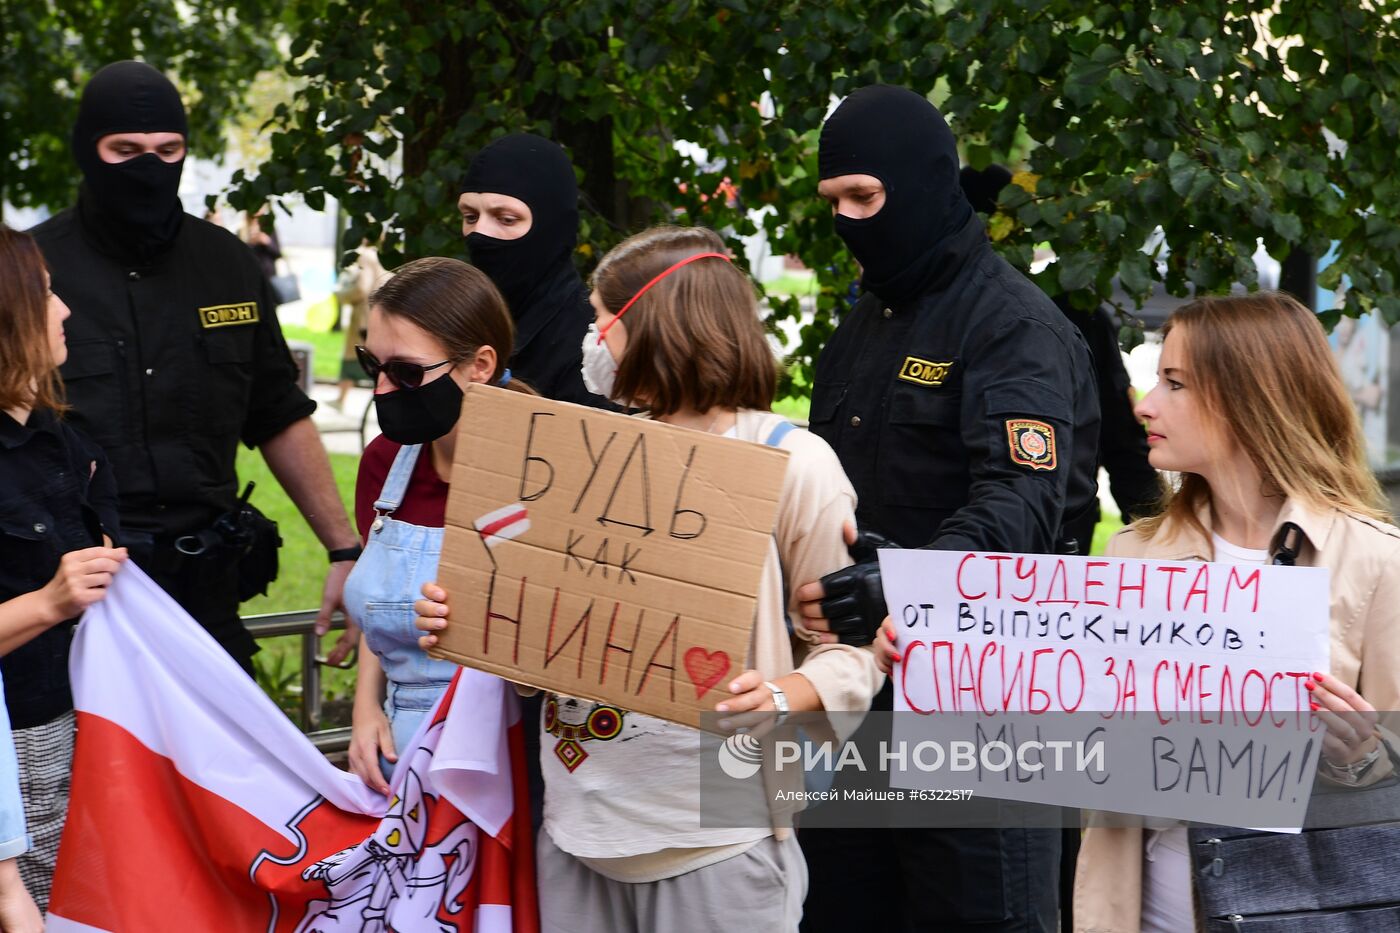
508	522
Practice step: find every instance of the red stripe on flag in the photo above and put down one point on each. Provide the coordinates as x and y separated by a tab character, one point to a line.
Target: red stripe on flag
145	848
518	839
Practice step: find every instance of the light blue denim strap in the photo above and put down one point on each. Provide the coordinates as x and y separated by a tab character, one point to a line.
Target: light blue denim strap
775	439
780	431
396	483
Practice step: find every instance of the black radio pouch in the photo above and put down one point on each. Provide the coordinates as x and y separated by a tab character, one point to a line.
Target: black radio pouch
245	535
257	568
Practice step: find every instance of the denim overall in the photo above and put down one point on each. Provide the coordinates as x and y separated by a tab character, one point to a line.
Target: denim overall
398	559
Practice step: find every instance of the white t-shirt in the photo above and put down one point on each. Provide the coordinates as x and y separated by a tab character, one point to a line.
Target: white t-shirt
1227	553
1166	855
631	808
622	783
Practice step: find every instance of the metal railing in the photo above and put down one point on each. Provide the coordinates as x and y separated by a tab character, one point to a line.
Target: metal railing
329	742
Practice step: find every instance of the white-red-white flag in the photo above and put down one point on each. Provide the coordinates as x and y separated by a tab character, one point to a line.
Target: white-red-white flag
197	806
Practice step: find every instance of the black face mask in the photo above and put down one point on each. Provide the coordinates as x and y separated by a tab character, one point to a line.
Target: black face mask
421	415
537	171
511	266
132	208
140	193
880	247
900	138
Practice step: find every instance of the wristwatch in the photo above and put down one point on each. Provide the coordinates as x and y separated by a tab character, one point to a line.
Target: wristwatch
1352	773
344	553
780	701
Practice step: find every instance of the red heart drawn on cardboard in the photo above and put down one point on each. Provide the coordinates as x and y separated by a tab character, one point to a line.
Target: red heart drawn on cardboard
706	668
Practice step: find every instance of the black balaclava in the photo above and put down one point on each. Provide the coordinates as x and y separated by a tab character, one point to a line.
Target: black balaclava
900	138
982	188
133	208
535	170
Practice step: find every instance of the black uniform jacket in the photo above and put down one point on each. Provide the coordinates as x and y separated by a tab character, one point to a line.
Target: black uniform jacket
56	495
1135	484
549	341
965	417
170	366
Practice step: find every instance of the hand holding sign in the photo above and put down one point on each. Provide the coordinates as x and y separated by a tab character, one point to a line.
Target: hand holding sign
1350	720
602	557
1195	678
886	654
432	614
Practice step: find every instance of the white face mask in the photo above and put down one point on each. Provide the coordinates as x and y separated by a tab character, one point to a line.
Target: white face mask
599	368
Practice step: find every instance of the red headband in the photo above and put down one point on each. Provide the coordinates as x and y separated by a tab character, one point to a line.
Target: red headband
643	290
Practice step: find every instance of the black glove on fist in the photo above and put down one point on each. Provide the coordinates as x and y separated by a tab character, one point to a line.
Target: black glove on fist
867	542
854	604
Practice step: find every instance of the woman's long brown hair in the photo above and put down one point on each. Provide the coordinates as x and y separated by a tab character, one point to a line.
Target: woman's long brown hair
28	376
694	339
1267	378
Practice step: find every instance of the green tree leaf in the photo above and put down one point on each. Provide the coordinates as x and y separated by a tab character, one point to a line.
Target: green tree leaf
1182	118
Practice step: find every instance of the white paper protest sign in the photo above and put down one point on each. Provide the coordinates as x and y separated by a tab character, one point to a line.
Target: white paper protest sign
1163	688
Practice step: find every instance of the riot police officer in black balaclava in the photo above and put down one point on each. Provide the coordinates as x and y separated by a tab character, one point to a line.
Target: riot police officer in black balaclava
132	206
962	406
175	355
519	206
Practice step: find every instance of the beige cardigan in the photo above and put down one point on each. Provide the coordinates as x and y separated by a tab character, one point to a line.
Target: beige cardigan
1363	556
807	543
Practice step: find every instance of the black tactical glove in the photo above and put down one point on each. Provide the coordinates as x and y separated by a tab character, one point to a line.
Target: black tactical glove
867	543
854	604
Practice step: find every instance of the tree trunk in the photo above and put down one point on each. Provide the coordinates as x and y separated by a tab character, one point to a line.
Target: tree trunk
1298	276
433	118
589	142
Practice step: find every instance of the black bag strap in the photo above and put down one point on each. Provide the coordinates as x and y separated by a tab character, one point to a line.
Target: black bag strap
1289	541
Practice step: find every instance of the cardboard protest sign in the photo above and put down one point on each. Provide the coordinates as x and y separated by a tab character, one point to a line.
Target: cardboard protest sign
1174	688
602	556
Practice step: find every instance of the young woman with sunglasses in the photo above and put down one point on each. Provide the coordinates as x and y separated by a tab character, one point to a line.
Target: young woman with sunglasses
624	847
434	328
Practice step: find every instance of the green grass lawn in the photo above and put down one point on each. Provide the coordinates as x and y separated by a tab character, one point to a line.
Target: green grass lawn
300	578
791	282
1109	522
325	362
796	409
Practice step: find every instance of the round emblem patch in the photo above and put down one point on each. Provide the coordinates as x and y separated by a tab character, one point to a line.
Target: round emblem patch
1031	443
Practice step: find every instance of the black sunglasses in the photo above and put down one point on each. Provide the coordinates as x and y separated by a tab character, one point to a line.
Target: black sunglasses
401	373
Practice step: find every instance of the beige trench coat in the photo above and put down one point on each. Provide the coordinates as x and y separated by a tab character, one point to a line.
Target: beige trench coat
1364	558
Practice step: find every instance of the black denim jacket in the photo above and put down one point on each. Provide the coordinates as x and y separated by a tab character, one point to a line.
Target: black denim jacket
57	494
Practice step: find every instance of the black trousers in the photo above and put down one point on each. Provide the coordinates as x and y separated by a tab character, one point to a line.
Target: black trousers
530	720
904	879
205	588
920	880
